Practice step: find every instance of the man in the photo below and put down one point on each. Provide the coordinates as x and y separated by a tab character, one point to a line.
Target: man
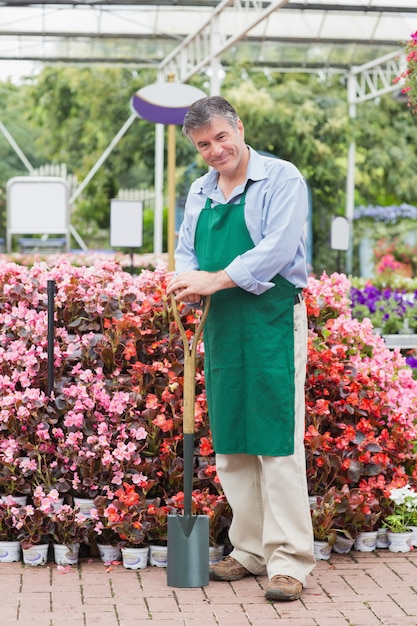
242	242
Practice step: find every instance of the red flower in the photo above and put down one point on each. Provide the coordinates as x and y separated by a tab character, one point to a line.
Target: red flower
112	514
166	425
206	449
130	351
128	495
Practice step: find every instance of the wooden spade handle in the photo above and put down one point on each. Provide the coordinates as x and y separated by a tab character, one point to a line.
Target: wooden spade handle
189	364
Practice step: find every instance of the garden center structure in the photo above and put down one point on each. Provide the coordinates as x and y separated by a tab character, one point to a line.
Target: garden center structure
360	39
186	35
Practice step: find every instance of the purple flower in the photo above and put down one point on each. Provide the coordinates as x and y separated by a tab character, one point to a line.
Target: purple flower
385	213
411	361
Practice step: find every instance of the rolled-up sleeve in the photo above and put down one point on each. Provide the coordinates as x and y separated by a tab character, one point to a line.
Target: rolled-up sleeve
241	276
278	237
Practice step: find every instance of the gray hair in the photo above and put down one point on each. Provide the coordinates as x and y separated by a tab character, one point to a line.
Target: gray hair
203	111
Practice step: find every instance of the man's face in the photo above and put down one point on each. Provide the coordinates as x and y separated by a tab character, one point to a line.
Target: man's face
221	146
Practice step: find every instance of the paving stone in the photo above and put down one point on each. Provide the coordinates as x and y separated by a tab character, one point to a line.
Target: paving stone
100	619
234	619
374	589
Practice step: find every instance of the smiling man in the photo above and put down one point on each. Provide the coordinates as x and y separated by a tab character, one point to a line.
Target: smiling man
242	242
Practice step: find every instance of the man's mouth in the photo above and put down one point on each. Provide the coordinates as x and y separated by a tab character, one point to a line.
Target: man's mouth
221	159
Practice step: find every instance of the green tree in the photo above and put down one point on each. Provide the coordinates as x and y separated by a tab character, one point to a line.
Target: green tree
80	111
70	115
386	153
12	107
295	118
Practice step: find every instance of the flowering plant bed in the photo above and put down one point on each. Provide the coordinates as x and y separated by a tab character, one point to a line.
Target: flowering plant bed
361	416
113	422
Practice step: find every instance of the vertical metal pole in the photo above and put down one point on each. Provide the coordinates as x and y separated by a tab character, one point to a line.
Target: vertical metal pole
159	190
350	181
51	334
171	191
171	196
215	66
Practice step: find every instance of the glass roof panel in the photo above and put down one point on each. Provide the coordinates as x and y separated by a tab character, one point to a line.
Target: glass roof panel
143	33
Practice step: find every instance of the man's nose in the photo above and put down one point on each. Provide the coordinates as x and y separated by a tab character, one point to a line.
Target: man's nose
216	148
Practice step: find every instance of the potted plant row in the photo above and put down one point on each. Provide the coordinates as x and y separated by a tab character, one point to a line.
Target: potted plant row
115	414
341	519
347	518
114	417
127	526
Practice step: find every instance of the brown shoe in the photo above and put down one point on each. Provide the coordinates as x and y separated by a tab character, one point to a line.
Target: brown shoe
229	569
283	588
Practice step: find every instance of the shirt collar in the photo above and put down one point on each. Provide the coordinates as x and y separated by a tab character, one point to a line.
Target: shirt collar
256	171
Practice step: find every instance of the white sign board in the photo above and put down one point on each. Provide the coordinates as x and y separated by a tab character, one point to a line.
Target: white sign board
126	223
37	205
339	239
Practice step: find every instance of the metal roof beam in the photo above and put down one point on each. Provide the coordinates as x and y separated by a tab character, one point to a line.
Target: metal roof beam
303	5
375	78
197	51
351	7
88	36
109	3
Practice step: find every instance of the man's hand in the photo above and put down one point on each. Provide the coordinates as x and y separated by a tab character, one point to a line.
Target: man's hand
192	286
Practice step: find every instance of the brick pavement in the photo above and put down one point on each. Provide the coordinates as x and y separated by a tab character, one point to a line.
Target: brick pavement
358	589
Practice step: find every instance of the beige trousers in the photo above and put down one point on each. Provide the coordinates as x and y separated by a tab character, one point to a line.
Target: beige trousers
271	527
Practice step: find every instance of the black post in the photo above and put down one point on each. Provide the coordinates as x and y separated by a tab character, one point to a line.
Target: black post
51	334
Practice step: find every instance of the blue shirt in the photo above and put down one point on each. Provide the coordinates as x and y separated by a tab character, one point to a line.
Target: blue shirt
275	214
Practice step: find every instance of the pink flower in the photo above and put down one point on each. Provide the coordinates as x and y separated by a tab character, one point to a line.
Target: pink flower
124	452
152	401
139	433
74	419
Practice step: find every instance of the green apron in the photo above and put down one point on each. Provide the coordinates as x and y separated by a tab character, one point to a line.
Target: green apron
249	346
